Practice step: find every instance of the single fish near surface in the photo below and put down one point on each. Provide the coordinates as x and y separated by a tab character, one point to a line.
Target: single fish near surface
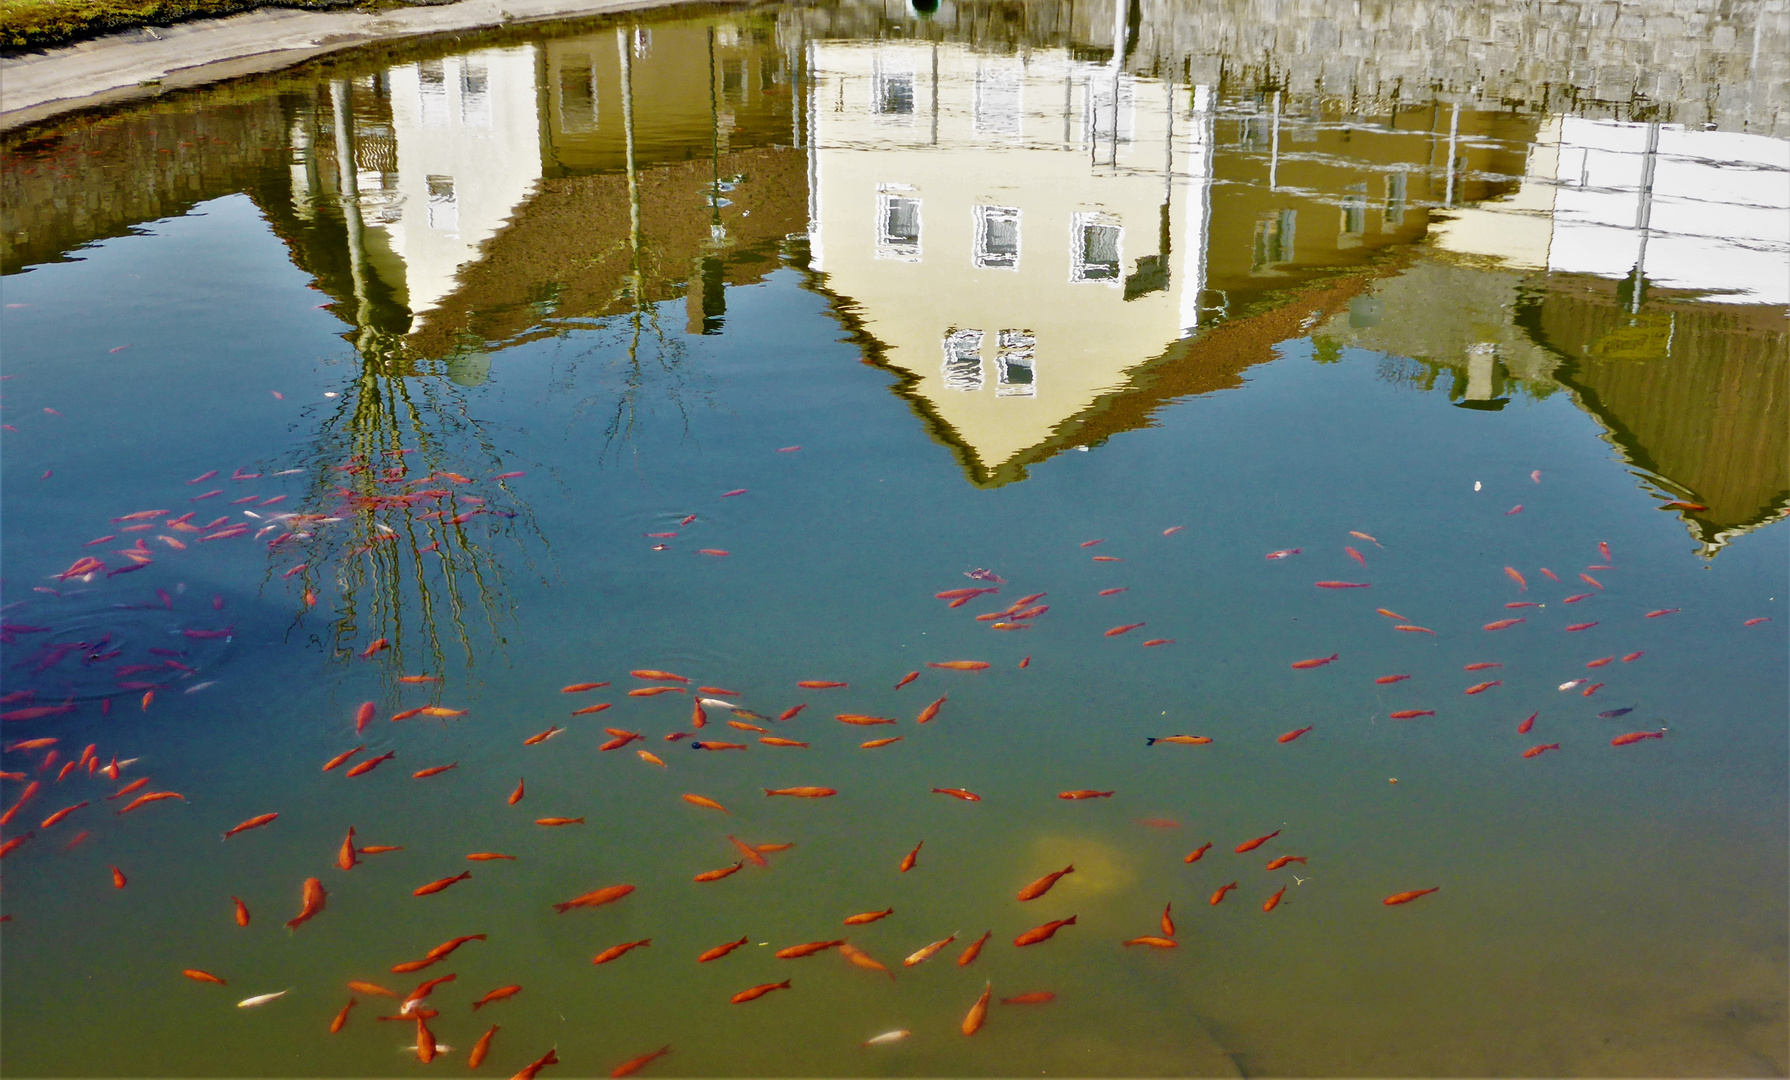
60	814
341	1020
719	951
341	758
1152	941
579	688
533	1068
821	684
255	822
912	858
1294	734
608	894
1085	793
1631	657
887	1037
705	802
1043	885
859	958
1316	662
555	822
1356	555
1168	923
616	951
1416	630
1577	597
790	713
717	875
908	678
1274	901
1600	661
1178	740
1410	714
1251	845
1387	680
868	917
974	950
1218	897
370	764
930	712
962	665
756	992
1537	751
1284	860
153	796
1662	611
1636	736
1285	554
1514	575
1480	688
1407	897
862	720
1523	728
958	793
926	953
796	952
1043	933
437	886
1481	666
635	1064
242	912
803	792
1505	624
203	976
498	994
1035	997
433	770
481	1048
261	999
1580	626
1342	584
1198	853
978	1014
1125	629
1592	689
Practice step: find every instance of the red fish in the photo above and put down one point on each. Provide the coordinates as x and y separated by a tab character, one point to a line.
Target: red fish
60	814
533	1068
1511	572
1631	657
1042	885
1184	740
1481	666
1085	793
958	793
378	646
1251	845
153	796
554	822
253	823
974	950
118	879
1284	860
533	740
1218	897
1504	624
861	720
790	713
796	952
1291	735
370	764
516	796
1044	932
1749	622
1591	581
314	899
341	1020
962	665
655	675
1356	555
433	770
821	684
978	1014
13	845
1127	628
1523	728
1407	897
1035	997
363	716
717	875
481	1048
337	761
908	678
719	951
1285	554
437	886
579	688
614	952
654	691
242	912
1663	611
803	792
911	858
1577	597
1635	737
756	992
1342	584
1580	626
1198	853
1416	630
1386	680
1537	751
634	1065
596	898
1600	661
1316	662
1592	689
929	712
1274	901
1480	688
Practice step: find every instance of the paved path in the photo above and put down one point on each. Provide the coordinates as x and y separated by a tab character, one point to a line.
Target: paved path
154	60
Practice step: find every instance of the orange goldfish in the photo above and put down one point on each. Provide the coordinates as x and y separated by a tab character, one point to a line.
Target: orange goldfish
699	800
1480	688
978	1014
533	1068
1251	845
1537	751
974	950
1291	735
751	853
203	976
1180	740
433	770
616	951
803	792
717	875
1504	624
1152	942
960	665
596	898
437	886
651	758
872	744
861	720
654	691
488	856
821	684
859	958
253	823
658	676
1218	897
1320	661
958	793
589	709
1511	572
796	952
481	1048
314	899
1274	901
145	800
554	822
929	712
772	740
908	678
1635	737
868	917
1284	860
341	1019
516	796
1407	897
927	952
242	912
1084	793
757	992
1044	932
913	857
579	688
1196	854
634	1065
1411	714
370	764
719	951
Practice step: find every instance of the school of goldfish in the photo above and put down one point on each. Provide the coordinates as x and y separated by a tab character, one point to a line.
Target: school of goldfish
39	763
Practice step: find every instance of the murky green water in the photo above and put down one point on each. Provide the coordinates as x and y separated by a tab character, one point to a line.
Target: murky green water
941	295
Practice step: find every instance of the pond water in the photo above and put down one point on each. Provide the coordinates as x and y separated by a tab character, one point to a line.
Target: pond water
731	343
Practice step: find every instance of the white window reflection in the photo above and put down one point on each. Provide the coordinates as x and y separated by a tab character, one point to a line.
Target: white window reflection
963	360
475	94
892	90
431	88
1016	364
1095	247
444	206
997	237
897	224
577	93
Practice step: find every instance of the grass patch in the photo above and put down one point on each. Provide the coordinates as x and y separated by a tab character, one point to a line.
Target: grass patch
26	25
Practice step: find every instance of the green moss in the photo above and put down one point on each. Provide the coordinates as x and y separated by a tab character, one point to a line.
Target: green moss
38	24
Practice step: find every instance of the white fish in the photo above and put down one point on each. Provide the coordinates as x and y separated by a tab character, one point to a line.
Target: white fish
288	472
251	513
1572	683
196	687
439	1049
261	999
888	1037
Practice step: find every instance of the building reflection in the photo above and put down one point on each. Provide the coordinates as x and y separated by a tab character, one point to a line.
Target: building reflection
1047	221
